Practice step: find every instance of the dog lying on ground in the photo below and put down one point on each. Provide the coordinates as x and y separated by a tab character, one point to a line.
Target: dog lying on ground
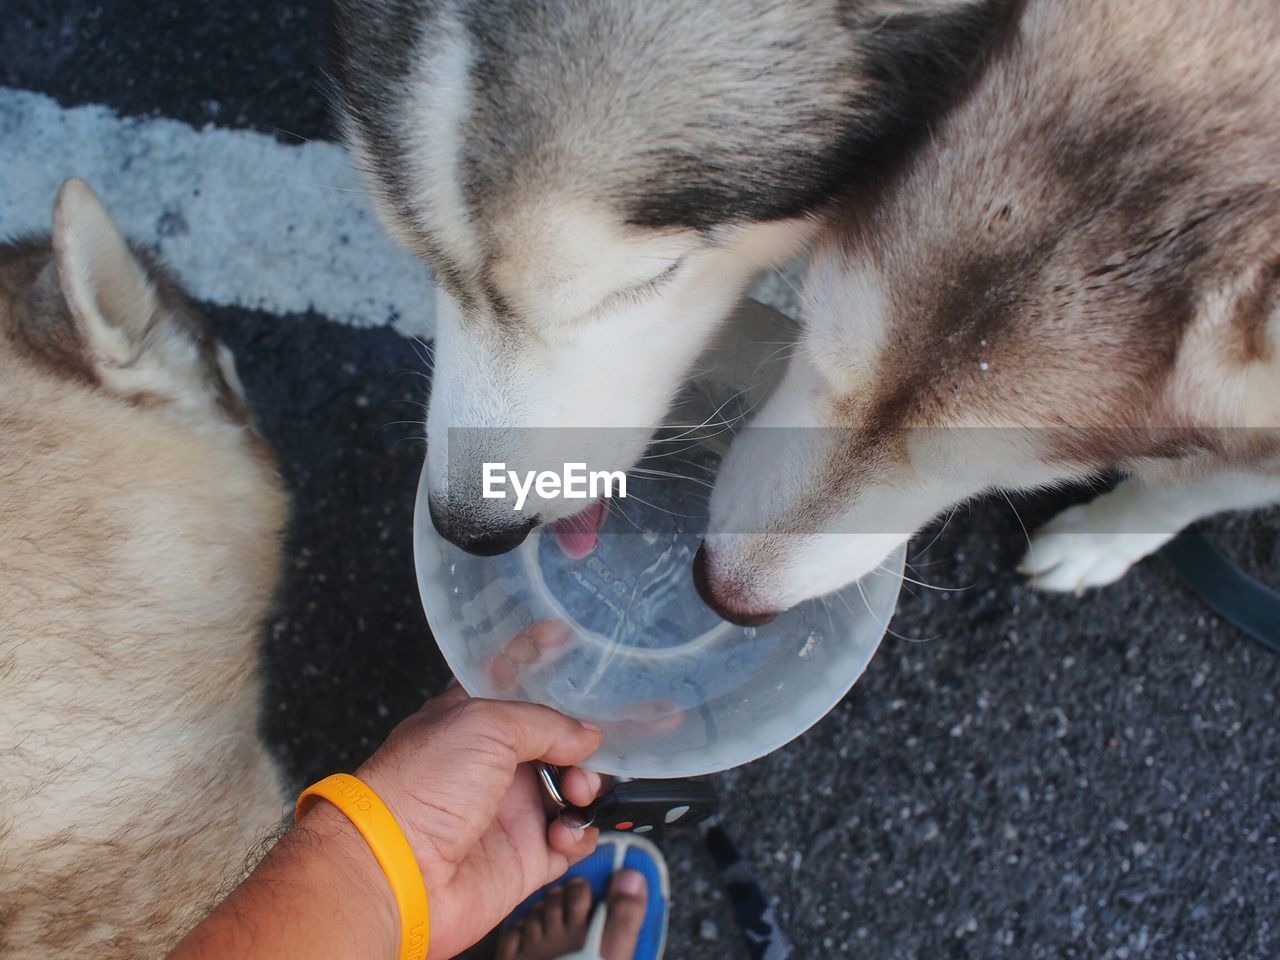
1079	270
594	183
140	519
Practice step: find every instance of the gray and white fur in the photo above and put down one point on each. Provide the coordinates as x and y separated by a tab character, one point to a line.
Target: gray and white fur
1079	270
595	182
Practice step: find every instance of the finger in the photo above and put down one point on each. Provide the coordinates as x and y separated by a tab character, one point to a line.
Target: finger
543	642
550	634
570	843
531	731
657	721
504	672
542	639
580	787
522	649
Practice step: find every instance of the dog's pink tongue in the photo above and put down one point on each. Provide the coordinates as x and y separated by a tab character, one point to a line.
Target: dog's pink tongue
579	534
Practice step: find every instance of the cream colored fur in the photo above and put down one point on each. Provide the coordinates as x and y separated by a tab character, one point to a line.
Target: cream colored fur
139	550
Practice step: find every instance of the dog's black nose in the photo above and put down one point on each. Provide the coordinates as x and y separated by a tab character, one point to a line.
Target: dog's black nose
702	583
486	537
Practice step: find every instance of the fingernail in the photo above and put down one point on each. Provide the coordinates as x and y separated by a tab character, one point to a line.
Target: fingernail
629	883
593	727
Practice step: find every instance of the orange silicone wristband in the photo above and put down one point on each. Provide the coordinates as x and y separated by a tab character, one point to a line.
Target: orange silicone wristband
377	824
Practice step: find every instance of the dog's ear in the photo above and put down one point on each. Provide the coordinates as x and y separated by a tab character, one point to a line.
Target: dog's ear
110	296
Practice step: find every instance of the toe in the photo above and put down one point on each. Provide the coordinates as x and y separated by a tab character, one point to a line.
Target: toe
1048	548
532	930
1079	571
577	903
508	943
553	914
1074	562
627	901
1062	536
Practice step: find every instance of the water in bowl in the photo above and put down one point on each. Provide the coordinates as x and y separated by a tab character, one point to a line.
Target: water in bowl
621	638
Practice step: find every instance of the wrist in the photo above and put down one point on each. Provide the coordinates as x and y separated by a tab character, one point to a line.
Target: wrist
391	791
338	864
318	892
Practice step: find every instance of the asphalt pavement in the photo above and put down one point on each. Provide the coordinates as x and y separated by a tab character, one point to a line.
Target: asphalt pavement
1016	775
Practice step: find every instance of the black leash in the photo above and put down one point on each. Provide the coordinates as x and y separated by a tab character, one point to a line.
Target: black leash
1226	589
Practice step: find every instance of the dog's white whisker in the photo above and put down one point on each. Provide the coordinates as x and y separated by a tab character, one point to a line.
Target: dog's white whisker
943	529
615	506
397	423
826	608
670	456
1025	533
888	629
782	353
781	275
654	506
930	586
667	474
314	184
425	350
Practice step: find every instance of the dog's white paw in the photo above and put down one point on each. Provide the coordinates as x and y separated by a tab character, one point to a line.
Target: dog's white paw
1081	548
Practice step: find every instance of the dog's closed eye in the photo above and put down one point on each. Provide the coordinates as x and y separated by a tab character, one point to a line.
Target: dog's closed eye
642	291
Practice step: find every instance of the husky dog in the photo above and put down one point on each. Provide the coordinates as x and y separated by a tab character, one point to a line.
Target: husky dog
140	518
1079	270
595	182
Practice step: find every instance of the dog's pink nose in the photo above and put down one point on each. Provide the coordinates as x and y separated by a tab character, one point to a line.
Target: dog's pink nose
702	582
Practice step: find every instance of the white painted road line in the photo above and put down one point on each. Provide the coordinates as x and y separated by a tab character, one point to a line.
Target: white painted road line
243	219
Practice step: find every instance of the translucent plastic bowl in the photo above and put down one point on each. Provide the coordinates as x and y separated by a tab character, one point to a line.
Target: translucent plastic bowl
621	637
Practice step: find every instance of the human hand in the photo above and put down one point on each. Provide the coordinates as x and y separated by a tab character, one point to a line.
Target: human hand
456	775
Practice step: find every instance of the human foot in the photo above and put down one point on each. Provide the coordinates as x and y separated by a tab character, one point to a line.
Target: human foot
557	925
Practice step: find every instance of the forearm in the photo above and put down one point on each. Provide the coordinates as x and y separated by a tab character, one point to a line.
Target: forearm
319	893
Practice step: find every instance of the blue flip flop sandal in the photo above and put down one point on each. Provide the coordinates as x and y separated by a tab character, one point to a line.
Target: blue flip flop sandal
615	852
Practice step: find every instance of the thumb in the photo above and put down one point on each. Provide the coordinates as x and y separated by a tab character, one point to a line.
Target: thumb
530	731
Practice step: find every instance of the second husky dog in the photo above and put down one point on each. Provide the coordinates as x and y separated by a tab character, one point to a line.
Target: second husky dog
140	517
595	182
1080	270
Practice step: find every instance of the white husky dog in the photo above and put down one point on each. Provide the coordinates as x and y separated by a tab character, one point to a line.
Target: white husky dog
1080	270
140	518
595	182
